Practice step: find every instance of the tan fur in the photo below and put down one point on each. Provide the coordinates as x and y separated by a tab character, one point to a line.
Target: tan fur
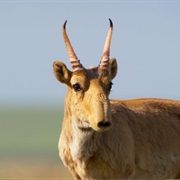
143	141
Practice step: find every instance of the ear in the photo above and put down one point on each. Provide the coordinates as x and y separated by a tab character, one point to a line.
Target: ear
61	72
113	67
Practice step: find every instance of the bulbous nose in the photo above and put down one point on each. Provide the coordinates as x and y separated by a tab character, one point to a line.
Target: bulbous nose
104	124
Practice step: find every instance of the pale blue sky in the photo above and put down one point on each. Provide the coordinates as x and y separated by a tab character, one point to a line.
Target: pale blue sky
146	43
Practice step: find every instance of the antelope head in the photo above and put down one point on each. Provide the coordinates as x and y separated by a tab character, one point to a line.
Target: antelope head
87	99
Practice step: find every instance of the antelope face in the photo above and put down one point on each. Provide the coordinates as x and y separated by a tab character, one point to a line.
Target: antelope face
88	89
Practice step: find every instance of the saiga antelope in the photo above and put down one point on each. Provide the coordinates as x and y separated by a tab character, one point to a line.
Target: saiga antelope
103	138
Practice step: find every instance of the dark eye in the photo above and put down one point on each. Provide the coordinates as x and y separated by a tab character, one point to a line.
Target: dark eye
76	87
110	86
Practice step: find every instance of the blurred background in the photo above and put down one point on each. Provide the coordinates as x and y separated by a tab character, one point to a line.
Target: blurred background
146	43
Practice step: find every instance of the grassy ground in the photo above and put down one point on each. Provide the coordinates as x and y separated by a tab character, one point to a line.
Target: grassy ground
28	143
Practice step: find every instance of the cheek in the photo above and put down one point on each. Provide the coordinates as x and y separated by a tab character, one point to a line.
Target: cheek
77	97
86	108
76	104
81	110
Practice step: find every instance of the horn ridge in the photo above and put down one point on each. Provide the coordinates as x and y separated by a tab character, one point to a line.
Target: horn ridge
72	55
106	52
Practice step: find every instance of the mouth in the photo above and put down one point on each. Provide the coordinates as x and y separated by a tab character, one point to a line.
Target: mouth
100	130
84	126
88	129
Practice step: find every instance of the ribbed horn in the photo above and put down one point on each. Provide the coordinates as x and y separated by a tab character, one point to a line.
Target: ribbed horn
106	52
75	63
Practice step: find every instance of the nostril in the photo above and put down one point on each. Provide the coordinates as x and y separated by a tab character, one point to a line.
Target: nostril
101	124
104	124
107	124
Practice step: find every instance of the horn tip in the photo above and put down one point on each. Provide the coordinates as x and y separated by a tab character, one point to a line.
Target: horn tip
64	25
111	23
